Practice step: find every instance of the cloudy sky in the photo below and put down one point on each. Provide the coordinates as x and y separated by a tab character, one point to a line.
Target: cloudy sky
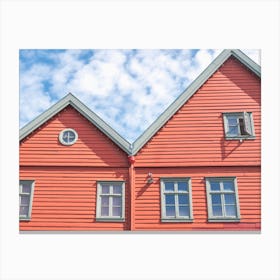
128	89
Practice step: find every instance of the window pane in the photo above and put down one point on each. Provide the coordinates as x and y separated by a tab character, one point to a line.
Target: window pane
117	201
215	186
24	200
26	188
117	189
117	211
233	130
231	210
104	201
71	135
232	121
169	186
182	186
23	210
170	211
105	211
217	210
169	199
228	185
183	198
229	199
216	199
105	189
184	211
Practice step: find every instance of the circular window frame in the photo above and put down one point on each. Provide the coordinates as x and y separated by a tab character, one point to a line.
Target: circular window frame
60	137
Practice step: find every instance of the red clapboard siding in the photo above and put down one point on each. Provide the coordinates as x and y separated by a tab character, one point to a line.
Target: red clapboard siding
93	148
194	136
148	201
65	198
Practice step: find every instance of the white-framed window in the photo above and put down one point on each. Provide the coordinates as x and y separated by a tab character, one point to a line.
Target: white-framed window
26	190
239	125
222	199
68	137
110	204
176	201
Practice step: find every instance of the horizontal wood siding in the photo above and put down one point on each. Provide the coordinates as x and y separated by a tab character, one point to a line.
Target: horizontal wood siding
93	148
194	136
148	201
65	198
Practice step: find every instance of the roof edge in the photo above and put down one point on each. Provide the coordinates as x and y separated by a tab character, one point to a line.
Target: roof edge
190	91
70	99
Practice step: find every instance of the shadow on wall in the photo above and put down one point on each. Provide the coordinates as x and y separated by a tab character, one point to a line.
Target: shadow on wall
228	147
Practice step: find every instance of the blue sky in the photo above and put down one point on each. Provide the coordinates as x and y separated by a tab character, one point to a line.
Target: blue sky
128	89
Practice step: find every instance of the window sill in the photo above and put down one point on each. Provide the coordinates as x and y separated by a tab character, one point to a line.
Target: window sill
110	220
166	220
240	137
25	219
219	220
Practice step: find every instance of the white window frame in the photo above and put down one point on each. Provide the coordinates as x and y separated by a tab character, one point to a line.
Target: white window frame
177	217
30	195
110	218
61	140
248	123
222	218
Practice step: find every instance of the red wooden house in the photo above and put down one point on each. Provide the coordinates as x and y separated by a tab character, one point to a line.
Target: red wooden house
197	167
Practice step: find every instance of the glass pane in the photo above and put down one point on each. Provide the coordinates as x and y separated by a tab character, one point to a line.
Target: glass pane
215	186
117	201
23	210
117	211
183	198
117	189
170	211
71	135
232	121
24	200
105	211
217	210
216	199
228	185
231	210
104	201
182	186
26	188
184	211
105	188
233	130
169	199
229	199
169	186
68	136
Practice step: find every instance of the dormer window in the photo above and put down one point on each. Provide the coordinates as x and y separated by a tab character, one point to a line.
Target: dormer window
238	125
68	136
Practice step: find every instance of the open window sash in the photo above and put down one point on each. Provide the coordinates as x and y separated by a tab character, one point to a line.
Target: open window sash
246	124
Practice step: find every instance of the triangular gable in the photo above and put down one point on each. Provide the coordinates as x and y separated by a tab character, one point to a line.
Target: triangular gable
191	90
160	121
70	99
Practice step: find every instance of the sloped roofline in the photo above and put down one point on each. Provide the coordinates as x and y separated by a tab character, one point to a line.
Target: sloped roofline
190	91
70	99
133	149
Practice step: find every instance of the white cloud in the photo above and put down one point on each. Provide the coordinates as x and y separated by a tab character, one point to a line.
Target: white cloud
129	89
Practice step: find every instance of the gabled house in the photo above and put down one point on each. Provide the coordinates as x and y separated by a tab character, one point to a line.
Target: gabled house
197	167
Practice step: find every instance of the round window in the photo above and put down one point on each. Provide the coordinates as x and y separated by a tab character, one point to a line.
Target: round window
68	136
